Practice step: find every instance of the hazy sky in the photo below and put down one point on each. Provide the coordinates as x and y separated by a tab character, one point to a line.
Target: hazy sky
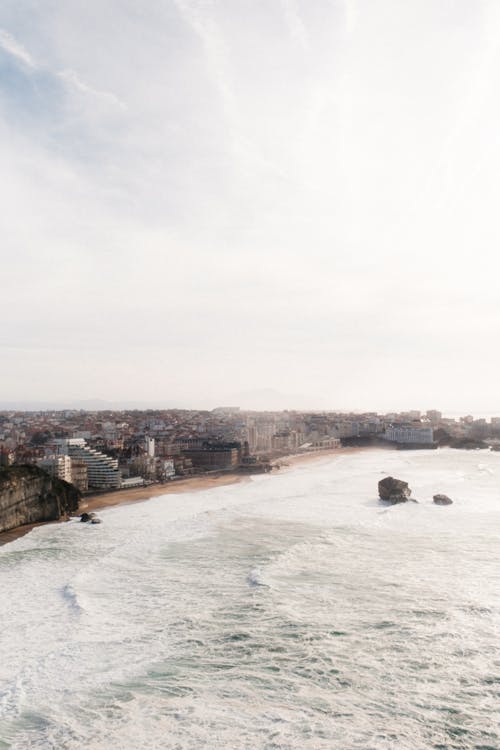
201	198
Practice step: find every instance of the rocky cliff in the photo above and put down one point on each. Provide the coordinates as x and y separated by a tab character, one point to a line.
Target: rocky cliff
30	495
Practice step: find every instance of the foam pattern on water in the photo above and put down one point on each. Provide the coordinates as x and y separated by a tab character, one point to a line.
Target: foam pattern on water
291	612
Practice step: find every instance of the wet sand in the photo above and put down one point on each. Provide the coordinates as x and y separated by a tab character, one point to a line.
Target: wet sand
188	484
288	462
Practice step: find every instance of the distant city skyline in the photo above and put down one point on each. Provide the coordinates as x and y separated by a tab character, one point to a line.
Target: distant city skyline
201	200
93	405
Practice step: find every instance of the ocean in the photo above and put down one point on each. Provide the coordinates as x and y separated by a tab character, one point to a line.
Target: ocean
289	611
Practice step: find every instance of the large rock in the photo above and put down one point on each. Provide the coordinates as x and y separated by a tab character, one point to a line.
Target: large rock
442	500
393	490
30	495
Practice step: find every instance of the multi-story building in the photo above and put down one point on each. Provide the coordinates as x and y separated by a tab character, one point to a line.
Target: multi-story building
102	470
215	456
58	466
79	474
149	446
409	434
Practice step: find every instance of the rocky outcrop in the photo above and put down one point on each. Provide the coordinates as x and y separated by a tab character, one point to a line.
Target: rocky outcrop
393	490
444	439
30	495
442	500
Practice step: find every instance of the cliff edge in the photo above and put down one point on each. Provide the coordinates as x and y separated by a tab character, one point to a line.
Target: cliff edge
30	495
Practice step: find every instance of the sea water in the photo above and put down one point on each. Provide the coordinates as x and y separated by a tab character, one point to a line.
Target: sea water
288	611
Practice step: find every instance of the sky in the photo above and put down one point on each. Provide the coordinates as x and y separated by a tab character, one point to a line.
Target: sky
271	203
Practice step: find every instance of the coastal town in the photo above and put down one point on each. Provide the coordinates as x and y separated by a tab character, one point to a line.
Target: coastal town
102	451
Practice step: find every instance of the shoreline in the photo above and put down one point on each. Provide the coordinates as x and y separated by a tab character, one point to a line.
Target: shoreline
199	483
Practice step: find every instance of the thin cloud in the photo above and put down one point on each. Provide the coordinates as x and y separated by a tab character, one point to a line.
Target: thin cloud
209	33
71	78
15	49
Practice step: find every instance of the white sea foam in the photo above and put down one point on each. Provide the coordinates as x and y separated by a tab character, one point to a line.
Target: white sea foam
292	611
254	578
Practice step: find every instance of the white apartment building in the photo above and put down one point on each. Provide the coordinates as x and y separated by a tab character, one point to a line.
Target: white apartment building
58	466
149	446
102	470
409	434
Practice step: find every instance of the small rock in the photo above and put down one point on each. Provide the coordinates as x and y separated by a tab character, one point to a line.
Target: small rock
85	517
96	520
442	500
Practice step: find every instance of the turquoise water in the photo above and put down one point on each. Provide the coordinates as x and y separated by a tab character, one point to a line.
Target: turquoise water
292	611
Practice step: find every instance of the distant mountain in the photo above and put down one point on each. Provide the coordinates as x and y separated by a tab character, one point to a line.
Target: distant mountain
270	399
259	399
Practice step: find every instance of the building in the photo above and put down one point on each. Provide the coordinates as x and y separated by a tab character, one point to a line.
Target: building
79	474
131	482
102	470
284	441
183	466
213	456
167	468
149	446
410	435
57	466
321	444
346	429
434	416
69	469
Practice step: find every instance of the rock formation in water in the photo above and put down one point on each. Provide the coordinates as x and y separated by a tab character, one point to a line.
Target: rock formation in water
393	490
30	495
442	500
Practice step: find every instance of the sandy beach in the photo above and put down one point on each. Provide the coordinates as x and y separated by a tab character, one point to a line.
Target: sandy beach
293	459
176	486
95	503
